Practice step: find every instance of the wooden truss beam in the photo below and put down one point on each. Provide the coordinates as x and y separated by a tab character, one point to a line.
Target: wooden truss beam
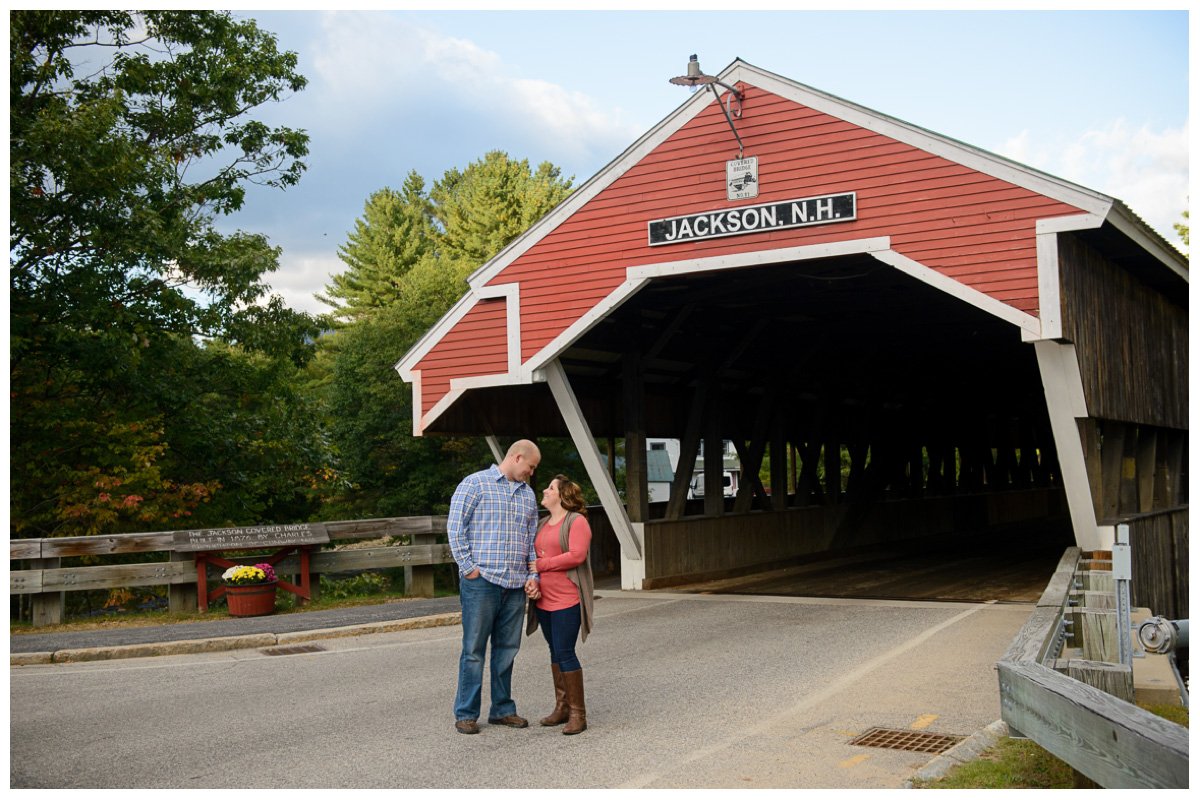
689	448
568	406
1063	386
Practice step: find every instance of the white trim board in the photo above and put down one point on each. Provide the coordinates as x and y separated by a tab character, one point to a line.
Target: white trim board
532	370
879	247
511	294
1049	286
1063	387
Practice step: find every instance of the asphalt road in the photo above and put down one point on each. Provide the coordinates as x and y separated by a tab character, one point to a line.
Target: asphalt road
683	691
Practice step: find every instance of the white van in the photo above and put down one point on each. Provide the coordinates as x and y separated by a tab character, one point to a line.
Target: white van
729	484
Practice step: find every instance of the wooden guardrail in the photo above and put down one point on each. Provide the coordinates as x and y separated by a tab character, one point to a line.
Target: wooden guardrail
45	579
1107	739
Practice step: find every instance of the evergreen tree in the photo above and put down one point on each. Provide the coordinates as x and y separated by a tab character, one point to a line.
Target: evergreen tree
491	203
477	212
393	235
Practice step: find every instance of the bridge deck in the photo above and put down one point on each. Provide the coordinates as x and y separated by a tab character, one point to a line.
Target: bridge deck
1015	569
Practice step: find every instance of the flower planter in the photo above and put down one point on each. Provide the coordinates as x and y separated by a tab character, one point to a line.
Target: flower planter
254	600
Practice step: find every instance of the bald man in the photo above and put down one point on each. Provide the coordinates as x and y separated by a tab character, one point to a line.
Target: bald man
492	524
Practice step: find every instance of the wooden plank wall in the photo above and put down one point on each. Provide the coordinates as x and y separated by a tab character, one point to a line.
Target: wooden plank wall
1160	563
1131	340
1132	344
701	548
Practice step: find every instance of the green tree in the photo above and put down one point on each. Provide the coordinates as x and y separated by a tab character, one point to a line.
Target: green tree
108	219
393	235
1183	229
492	202
402	277
392	472
129	133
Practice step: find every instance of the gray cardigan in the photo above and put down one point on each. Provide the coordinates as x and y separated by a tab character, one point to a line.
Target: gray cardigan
581	576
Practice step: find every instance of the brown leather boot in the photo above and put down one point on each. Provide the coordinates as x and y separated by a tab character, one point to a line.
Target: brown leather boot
559	715
577	720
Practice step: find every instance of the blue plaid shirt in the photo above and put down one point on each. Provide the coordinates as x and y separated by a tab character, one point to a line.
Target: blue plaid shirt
492	525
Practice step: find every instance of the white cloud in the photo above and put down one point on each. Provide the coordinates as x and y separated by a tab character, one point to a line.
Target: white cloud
1021	149
373	66
1145	168
300	275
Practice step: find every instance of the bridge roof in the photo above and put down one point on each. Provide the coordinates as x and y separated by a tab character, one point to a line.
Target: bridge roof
964	222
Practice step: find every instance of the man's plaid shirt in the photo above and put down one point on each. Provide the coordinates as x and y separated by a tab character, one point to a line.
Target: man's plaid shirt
492	526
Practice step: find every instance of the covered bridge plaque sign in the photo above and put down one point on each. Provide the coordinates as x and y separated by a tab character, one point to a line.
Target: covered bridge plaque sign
251	538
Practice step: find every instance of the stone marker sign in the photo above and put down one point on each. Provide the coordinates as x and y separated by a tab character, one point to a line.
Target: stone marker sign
261	536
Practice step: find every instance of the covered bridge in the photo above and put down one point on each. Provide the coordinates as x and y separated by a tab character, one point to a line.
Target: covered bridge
984	343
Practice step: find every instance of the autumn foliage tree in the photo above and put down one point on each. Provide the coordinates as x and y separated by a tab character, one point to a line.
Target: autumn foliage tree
129	134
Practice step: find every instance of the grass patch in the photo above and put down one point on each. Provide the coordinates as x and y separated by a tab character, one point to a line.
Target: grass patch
1176	714
1023	764
1011	764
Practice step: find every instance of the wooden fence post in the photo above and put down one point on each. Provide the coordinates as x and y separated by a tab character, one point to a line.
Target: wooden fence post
182	597
420	579
46	608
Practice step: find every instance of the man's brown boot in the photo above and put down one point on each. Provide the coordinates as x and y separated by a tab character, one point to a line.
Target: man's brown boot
577	714
559	715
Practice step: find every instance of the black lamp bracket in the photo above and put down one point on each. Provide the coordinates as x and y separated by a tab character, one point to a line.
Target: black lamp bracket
733	94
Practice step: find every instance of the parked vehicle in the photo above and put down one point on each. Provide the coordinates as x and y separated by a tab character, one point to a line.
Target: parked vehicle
729	484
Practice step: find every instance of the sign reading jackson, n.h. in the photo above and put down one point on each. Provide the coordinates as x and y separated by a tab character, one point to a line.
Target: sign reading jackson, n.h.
755	219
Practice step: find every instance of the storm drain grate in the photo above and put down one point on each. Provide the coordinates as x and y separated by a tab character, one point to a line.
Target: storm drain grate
292	651
916	741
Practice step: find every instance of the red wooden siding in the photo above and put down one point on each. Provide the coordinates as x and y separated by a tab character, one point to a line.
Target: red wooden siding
478	345
974	228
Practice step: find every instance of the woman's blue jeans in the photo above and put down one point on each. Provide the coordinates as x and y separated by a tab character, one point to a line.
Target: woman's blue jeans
561	629
491	612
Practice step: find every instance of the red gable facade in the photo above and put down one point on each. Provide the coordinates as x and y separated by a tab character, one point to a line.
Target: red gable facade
969	223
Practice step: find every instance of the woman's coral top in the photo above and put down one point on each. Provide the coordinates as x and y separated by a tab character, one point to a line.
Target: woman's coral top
558	592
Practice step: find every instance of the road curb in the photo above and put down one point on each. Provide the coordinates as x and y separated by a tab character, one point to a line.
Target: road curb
24	659
416	623
965	751
225	643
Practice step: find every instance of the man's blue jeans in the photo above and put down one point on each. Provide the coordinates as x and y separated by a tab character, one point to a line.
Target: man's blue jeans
491	612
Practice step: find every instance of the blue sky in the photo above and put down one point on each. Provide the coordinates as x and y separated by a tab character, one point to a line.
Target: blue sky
1096	97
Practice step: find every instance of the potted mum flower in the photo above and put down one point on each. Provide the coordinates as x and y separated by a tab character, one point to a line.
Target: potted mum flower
250	590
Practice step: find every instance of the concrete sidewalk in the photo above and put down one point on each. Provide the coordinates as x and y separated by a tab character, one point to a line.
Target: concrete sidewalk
231	634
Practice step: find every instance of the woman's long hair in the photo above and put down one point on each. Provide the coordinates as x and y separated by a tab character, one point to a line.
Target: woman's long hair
570	495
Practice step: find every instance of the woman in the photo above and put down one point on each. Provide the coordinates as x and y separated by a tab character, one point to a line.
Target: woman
564	599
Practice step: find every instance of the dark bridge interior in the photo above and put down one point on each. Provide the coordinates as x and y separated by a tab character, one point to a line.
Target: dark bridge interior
855	351
848	360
